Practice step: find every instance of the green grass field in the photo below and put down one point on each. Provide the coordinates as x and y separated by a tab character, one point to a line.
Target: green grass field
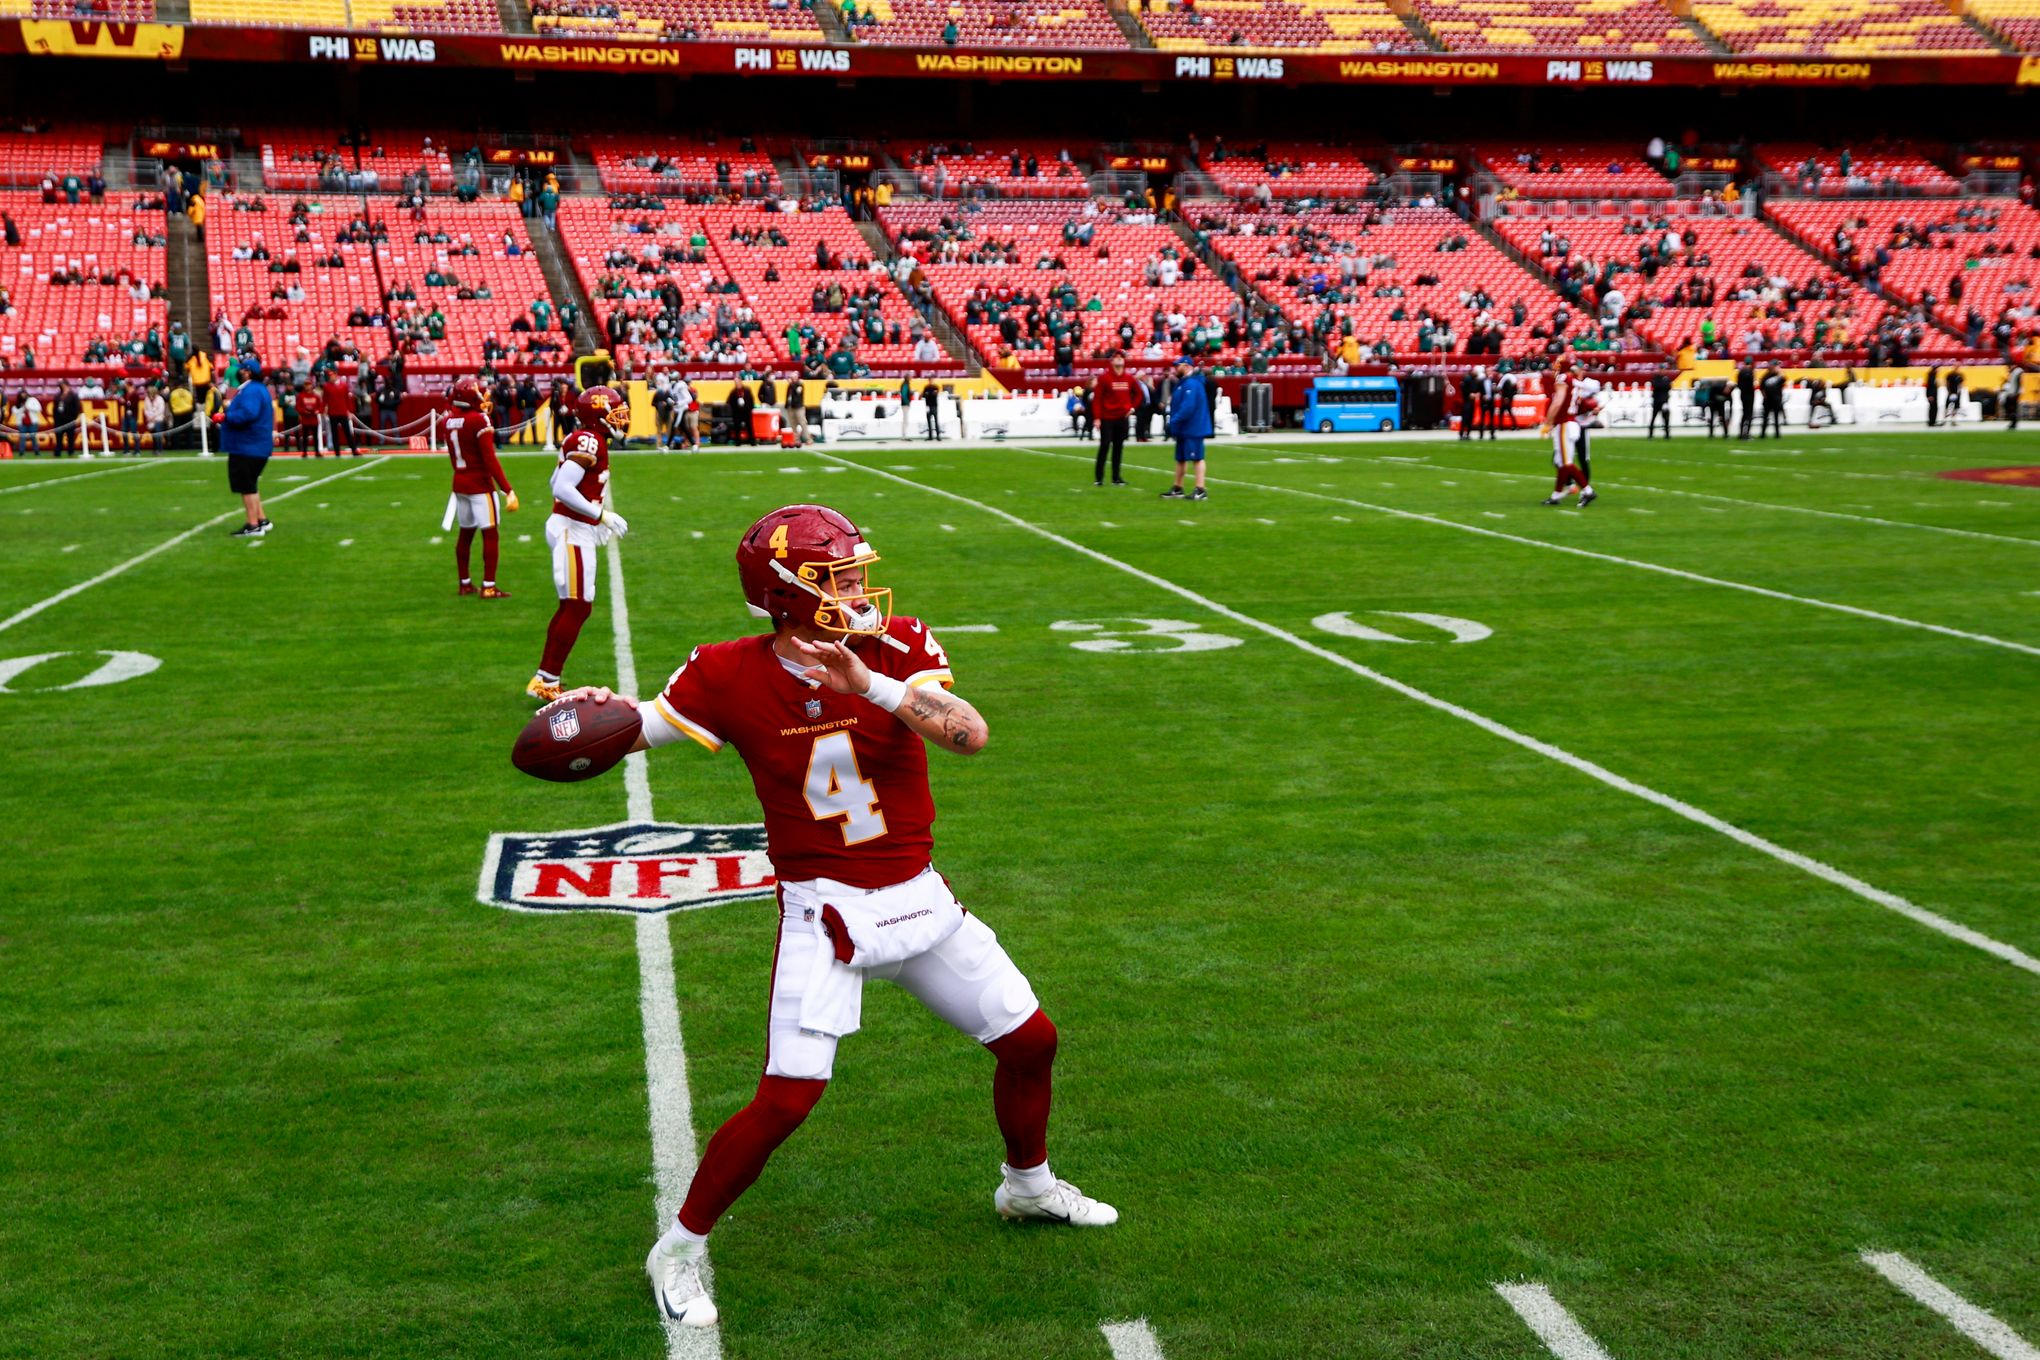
1366	1006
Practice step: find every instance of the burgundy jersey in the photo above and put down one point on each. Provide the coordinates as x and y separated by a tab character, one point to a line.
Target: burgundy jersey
843	783
589	447
471	446
1561	399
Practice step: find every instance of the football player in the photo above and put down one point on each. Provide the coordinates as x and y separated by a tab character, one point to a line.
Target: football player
1587	414
580	524
1561	422
471	445
833	712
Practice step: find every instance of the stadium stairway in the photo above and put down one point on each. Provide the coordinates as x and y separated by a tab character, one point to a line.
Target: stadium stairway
1136	36
1981	27
174	12
1700	31
187	279
1819	252
1414	22
117	165
831	20
1222	268
516	16
953	341
563	285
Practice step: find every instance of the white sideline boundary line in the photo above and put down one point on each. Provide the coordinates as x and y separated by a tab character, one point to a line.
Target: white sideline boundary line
1662	570
1560	1332
671	1105
1979	1326
165	546
1954	930
42	482
1133	1340
1727	500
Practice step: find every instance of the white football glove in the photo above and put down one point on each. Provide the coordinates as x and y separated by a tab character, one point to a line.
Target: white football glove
614	526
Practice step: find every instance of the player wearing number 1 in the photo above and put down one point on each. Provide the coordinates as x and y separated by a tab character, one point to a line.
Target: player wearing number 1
477	473
833	712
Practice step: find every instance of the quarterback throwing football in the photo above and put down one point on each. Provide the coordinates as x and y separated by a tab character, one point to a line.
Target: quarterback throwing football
832	713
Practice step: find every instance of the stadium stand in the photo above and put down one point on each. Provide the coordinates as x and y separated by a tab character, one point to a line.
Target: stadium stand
1016	169
244	289
483	289
94	249
1387	272
1009	23
2015	21
1976	255
1841	28
25	157
372	16
1249	26
1289	170
1874	170
1136	273
661	284
1761	291
678	20
649	163
123	11
300	159
1602	171
1572	27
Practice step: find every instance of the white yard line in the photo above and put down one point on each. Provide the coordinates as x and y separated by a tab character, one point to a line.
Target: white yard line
1560	1332
1945	631
165	546
674	1156
1733	500
1806	864
1133	1340
78	477
1973	1322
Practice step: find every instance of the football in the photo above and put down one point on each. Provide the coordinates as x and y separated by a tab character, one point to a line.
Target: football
566	741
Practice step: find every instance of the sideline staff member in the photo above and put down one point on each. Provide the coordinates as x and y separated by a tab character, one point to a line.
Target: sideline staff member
248	437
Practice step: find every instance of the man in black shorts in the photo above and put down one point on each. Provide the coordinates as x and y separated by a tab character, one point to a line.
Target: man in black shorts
248	437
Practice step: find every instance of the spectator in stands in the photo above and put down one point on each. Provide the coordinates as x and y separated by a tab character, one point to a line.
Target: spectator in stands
156	416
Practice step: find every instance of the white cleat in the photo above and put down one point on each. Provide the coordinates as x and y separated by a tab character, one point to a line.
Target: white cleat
676	1284
1061	1203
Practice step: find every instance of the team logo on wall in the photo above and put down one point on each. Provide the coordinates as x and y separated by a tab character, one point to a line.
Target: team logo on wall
635	868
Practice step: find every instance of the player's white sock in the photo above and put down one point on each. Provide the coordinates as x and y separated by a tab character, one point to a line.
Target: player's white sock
549	677
1035	1180
490	584
677	1236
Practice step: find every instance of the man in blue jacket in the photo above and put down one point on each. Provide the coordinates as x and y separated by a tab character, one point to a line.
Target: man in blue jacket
1189	425
248	437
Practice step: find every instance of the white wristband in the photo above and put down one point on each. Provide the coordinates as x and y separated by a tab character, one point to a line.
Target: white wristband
886	692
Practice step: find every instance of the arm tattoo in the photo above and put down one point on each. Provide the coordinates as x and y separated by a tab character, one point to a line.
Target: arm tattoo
938	706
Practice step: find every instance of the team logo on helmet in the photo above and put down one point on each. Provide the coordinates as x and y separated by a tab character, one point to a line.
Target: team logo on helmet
607	406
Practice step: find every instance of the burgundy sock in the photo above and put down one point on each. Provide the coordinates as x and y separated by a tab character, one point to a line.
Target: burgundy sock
491	544
1020	1089
460	553
743	1145
561	634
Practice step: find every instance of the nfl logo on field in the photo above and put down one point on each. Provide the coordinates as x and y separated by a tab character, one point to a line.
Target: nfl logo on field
566	724
636	868
814	708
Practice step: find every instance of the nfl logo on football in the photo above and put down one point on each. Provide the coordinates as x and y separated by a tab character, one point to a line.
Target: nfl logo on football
566	724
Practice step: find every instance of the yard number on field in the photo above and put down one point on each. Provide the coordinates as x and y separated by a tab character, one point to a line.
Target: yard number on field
117	667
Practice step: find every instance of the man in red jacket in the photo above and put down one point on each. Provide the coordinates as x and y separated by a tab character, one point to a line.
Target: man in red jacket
1114	398
337	403
308	409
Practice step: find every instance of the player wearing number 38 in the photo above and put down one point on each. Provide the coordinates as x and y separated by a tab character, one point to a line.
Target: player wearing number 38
833	712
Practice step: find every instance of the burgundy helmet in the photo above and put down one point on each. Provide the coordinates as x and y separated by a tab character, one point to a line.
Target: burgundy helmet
605	406
791	564
469	395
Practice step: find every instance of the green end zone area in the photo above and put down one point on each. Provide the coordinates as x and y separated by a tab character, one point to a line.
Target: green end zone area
1364	1007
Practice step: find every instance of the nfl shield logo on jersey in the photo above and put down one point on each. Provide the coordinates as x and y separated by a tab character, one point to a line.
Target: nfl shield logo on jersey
814	708
635	868
566	724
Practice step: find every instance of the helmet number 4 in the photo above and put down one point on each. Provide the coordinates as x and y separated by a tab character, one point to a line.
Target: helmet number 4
837	788
1143	635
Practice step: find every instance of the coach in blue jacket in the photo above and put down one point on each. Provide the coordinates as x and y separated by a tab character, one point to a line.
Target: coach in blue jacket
1189	424
248	437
